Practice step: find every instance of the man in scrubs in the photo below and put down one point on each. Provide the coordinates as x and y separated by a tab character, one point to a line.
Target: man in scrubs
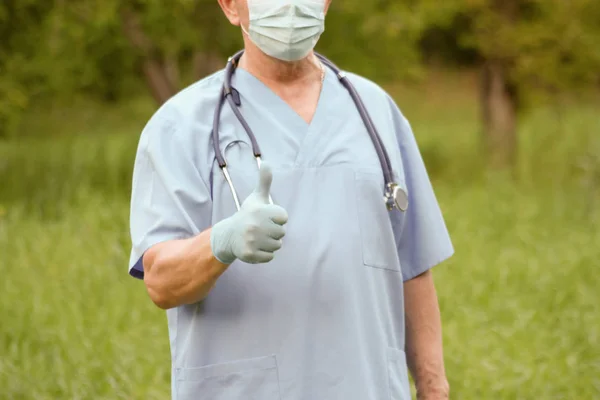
320	294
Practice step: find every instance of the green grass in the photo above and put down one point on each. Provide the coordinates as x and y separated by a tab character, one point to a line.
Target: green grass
520	299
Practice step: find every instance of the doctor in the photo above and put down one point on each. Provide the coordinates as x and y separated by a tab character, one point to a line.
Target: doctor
313	289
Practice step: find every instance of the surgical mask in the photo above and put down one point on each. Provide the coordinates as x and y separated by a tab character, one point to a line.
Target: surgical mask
286	29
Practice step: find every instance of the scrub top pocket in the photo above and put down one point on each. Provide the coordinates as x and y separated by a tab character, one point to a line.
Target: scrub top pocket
398	375
377	237
252	379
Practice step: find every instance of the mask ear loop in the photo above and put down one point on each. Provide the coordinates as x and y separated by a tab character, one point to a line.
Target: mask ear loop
244	30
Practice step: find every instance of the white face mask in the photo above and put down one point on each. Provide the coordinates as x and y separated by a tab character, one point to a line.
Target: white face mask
286	29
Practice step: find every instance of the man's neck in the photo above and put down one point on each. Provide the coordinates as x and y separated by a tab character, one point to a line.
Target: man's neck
277	72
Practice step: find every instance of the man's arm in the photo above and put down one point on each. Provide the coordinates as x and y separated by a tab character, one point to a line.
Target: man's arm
424	347
181	272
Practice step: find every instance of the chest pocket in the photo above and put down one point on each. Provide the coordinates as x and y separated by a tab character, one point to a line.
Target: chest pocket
377	231
252	379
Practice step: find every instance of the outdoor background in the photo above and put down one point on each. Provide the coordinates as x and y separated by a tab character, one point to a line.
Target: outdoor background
504	99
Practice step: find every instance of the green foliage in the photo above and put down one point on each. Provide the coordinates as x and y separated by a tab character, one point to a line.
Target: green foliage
386	34
85	51
57	48
18	76
550	45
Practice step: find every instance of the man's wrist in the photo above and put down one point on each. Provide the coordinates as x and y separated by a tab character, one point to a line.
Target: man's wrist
220	249
438	390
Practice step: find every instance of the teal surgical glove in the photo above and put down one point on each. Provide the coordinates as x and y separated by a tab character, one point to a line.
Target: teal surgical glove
254	233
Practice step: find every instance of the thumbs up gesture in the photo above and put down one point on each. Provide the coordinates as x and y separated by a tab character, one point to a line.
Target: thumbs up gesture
254	233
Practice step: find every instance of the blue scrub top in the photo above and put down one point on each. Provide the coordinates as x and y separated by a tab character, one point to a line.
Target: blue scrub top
325	318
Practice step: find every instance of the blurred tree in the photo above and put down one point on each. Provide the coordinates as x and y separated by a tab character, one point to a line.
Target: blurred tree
388	32
521	46
161	38
21	22
59	48
168	35
525	46
493	34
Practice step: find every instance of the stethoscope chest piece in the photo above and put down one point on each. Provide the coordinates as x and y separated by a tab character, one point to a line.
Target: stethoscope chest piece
396	197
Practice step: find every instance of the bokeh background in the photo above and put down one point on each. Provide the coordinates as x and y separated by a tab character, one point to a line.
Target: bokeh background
504	99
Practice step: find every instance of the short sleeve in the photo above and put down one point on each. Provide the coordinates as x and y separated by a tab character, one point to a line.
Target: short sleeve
422	238
169	198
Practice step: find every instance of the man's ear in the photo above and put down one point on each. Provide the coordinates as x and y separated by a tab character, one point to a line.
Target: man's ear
231	10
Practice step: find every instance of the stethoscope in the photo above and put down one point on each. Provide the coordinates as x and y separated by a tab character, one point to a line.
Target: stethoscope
394	196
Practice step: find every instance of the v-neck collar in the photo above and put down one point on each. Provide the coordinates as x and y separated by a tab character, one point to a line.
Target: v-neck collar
258	89
305	135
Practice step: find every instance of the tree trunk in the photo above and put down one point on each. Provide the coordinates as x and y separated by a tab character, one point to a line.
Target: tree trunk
157	80
172	70
155	71
499	112
205	63
211	25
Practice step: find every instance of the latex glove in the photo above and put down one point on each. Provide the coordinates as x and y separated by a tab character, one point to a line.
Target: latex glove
254	233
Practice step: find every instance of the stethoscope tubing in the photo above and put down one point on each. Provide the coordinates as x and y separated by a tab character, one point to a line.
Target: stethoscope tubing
366	117
227	95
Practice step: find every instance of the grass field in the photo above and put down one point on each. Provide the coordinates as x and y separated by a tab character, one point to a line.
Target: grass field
520	300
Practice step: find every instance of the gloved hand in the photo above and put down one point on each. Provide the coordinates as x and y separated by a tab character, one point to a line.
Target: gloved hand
254	233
